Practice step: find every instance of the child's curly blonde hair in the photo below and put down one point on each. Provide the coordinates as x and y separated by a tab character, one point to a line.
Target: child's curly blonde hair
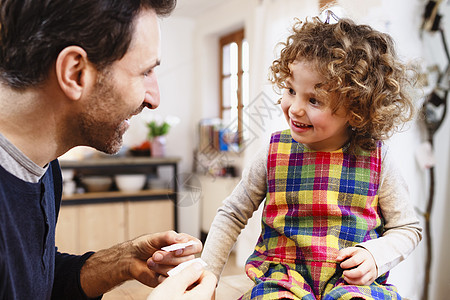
362	74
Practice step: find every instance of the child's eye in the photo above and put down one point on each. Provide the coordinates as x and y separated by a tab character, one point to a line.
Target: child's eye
314	101
291	92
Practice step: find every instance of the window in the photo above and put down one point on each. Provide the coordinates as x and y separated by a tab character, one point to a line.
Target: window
326	3
234	82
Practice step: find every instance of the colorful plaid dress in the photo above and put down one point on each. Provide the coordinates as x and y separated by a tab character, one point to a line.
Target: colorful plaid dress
316	204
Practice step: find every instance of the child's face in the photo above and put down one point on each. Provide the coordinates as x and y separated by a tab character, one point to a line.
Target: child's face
310	118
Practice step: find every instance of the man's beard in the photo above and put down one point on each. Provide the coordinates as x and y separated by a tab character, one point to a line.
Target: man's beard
97	128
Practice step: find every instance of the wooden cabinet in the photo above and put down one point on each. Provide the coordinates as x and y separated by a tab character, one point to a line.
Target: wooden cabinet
149	217
93	221
214	191
67	231
101	226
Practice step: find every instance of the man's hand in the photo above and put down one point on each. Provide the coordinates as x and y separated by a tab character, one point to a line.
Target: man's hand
359	265
152	262
110	267
192	283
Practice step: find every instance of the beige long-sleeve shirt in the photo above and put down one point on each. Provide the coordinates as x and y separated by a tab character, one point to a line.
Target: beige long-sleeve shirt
402	231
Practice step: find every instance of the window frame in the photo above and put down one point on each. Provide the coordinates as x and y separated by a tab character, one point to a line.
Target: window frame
326	3
237	37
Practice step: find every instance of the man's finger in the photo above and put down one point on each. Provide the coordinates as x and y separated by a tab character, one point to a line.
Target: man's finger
205	288
166	261
174	287
188	275
162	239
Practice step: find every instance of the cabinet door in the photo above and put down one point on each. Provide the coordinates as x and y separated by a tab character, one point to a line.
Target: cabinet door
214	191
149	217
101	226
67	235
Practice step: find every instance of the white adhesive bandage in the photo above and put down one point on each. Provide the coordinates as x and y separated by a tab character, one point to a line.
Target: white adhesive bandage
175	247
185	264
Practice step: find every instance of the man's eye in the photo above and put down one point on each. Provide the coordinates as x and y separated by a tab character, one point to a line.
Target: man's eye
147	73
291	92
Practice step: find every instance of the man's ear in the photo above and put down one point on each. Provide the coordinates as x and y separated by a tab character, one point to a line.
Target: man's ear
73	71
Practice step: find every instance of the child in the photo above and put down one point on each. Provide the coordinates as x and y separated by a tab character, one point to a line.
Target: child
336	215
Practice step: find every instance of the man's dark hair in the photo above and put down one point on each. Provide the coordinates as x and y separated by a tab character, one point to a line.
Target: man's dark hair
33	32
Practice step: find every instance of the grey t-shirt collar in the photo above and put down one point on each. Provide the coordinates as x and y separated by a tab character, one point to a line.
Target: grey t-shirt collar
16	163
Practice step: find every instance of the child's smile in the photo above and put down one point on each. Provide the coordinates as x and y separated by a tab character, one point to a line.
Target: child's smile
310	118
301	125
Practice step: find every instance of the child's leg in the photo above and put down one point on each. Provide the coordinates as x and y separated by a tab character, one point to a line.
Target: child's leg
271	290
277	281
374	291
378	290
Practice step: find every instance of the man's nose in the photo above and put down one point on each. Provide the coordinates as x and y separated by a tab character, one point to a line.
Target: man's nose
152	97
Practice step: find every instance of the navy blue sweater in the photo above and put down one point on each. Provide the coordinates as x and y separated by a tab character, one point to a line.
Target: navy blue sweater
30	265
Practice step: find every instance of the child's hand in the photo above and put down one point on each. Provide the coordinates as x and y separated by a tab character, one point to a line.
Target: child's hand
359	266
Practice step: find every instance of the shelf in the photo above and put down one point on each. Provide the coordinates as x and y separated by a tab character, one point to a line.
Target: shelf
111	165
118	196
111	162
114	194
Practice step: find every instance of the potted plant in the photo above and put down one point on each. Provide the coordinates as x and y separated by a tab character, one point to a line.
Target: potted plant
158	128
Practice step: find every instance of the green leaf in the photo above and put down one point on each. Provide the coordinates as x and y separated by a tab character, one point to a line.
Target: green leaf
157	130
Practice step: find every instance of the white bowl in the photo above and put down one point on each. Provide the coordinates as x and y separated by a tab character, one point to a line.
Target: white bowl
97	183
130	182
67	174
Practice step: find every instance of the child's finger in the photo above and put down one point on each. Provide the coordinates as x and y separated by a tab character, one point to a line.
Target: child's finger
349	263
354	273
359	276
345	253
356	259
364	274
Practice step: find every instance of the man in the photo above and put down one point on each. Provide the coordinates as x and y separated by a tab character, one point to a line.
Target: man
73	72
